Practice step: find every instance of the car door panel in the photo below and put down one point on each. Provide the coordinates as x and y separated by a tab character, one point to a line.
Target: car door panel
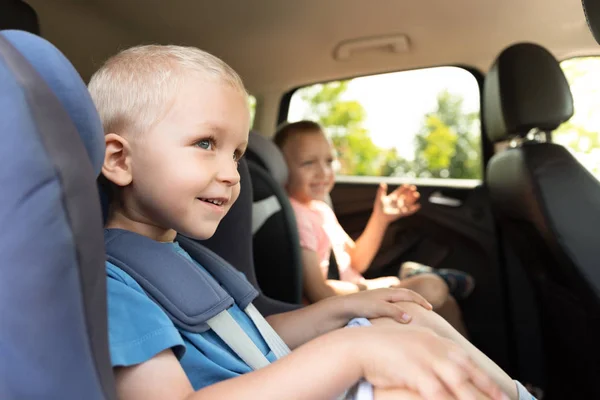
455	230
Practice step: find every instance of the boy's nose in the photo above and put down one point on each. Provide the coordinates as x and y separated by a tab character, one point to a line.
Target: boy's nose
228	173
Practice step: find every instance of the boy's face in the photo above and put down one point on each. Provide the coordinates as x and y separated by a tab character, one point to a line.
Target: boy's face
310	162
184	169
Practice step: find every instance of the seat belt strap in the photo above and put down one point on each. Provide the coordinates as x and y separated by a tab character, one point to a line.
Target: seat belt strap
230	332
274	341
234	336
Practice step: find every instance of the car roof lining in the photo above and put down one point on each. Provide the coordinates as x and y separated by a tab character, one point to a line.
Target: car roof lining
278	45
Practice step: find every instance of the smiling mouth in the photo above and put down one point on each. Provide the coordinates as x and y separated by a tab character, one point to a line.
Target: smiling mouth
216	202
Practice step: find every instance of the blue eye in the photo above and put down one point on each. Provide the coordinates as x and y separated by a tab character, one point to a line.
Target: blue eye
205	144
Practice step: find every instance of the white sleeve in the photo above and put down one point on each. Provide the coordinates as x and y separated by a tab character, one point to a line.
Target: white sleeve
523	393
363	390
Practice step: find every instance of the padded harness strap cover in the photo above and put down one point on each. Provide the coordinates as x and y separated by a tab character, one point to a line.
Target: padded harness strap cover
186	293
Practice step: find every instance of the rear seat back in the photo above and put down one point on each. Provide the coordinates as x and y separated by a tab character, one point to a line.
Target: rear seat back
53	322
276	245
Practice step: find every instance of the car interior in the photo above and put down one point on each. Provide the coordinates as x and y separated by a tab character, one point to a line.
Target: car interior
521	221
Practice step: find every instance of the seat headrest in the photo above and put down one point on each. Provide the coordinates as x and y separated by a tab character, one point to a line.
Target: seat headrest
591	8
66	84
525	89
263	151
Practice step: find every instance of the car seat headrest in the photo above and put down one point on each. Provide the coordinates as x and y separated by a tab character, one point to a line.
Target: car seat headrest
591	9
265	153
66	84
525	89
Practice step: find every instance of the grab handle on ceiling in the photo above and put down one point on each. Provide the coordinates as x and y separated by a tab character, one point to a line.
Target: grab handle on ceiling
392	43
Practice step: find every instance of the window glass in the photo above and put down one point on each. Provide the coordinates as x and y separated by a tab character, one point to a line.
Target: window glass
580	133
252	104
414	124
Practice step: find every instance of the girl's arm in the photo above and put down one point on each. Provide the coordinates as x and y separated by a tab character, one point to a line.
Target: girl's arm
366	246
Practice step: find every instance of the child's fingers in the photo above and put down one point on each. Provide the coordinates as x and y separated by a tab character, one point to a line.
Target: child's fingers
479	379
398	294
412	198
401	190
432	388
383	188
406	190
456	379
393	311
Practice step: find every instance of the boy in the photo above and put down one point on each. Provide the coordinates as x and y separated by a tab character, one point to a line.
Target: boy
176	124
310	158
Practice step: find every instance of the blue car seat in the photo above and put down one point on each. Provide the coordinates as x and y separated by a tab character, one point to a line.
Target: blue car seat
53	324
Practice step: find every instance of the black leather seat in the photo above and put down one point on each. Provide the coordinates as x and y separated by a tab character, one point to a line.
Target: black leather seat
548	205
276	245
592	14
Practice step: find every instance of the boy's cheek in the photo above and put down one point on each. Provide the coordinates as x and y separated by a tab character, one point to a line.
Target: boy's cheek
235	194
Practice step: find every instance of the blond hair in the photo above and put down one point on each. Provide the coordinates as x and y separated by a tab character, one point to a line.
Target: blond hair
133	89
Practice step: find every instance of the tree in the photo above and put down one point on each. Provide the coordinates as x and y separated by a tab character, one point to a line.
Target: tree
343	120
448	144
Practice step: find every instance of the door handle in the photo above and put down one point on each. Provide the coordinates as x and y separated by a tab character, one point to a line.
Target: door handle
439	198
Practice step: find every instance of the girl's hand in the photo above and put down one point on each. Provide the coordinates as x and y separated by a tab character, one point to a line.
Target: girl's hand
402	202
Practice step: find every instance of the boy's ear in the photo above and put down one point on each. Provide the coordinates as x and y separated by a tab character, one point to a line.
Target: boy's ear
117	160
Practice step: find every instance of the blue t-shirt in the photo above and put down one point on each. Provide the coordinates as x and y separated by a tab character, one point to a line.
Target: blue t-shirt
139	329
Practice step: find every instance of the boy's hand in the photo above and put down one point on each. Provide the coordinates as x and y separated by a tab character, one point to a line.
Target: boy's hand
379	303
402	202
420	361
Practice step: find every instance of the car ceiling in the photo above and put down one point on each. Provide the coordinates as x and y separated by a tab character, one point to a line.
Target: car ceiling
277	45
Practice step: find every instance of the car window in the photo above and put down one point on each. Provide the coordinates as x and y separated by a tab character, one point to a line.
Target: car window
580	133
419	124
252	105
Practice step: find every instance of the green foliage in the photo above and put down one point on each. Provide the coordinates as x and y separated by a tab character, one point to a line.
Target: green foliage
447	145
578	134
252	106
343	119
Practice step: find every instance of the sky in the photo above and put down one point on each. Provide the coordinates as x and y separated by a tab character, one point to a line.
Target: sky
396	103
